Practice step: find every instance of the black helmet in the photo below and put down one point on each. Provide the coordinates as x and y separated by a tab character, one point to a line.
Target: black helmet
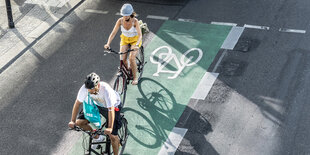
92	80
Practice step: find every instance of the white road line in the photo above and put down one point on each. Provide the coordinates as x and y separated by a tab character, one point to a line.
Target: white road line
205	86
186	20
96	11
224	23
232	38
172	143
256	27
292	30
219	61
157	17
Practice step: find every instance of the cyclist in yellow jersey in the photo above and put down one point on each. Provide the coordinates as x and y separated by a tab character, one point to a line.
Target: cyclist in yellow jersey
131	35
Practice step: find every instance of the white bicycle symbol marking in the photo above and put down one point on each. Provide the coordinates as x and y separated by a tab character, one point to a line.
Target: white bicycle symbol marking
165	58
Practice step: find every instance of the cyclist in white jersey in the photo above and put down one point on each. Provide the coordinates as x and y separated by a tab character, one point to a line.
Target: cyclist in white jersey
131	35
108	103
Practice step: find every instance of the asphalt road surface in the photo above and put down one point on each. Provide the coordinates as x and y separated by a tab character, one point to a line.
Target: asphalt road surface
258	103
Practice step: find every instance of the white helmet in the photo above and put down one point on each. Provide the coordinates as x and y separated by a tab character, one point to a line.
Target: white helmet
92	80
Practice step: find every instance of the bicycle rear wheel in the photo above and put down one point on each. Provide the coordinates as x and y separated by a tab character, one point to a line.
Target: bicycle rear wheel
140	62
123	134
120	86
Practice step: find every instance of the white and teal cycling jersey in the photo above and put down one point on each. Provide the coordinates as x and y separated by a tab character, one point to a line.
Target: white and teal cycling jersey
106	96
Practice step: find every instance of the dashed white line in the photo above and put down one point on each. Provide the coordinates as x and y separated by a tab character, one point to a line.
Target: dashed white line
96	11
205	86
185	20
173	141
233	37
224	23
157	17
215	23
292	30
256	27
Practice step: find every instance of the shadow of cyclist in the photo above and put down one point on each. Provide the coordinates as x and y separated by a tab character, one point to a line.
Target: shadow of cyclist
195	141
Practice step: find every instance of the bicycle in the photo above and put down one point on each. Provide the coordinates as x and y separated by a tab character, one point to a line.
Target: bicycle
122	134
124	74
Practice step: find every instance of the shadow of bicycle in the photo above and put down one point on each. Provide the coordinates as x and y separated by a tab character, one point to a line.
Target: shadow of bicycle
155	115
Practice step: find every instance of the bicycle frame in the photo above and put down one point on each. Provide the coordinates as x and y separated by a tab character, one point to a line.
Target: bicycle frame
126	74
125	70
107	142
123	135
90	143
122	67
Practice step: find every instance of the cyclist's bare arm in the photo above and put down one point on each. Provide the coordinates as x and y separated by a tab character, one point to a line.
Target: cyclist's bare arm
113	33
139	31
75	111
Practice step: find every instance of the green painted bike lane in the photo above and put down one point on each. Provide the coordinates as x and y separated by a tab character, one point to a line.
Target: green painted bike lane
177	58
154	106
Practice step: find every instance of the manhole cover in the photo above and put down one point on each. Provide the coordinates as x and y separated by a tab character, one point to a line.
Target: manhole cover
233	67
243	46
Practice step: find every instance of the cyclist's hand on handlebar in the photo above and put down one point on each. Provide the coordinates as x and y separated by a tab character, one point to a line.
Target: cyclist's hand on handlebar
106	46
71	124
107	131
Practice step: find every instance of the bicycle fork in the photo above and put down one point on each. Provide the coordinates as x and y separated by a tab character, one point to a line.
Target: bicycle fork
108	146
90	150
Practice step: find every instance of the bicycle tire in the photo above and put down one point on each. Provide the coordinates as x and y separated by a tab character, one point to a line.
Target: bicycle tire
120	86
140	62
123	134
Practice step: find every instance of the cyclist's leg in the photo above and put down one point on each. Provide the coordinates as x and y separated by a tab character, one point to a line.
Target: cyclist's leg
115	143
133	66
82	122
123	57
132	60
123	48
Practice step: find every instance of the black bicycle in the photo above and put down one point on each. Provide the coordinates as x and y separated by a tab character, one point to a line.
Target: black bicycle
124	74
122	134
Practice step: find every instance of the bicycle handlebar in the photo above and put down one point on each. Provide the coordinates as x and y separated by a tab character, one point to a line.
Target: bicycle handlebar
120	53
99	131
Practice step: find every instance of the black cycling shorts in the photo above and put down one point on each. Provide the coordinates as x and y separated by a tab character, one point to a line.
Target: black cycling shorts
104	112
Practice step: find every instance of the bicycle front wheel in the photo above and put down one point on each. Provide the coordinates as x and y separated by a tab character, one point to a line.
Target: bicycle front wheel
120	86
123	134
108	147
